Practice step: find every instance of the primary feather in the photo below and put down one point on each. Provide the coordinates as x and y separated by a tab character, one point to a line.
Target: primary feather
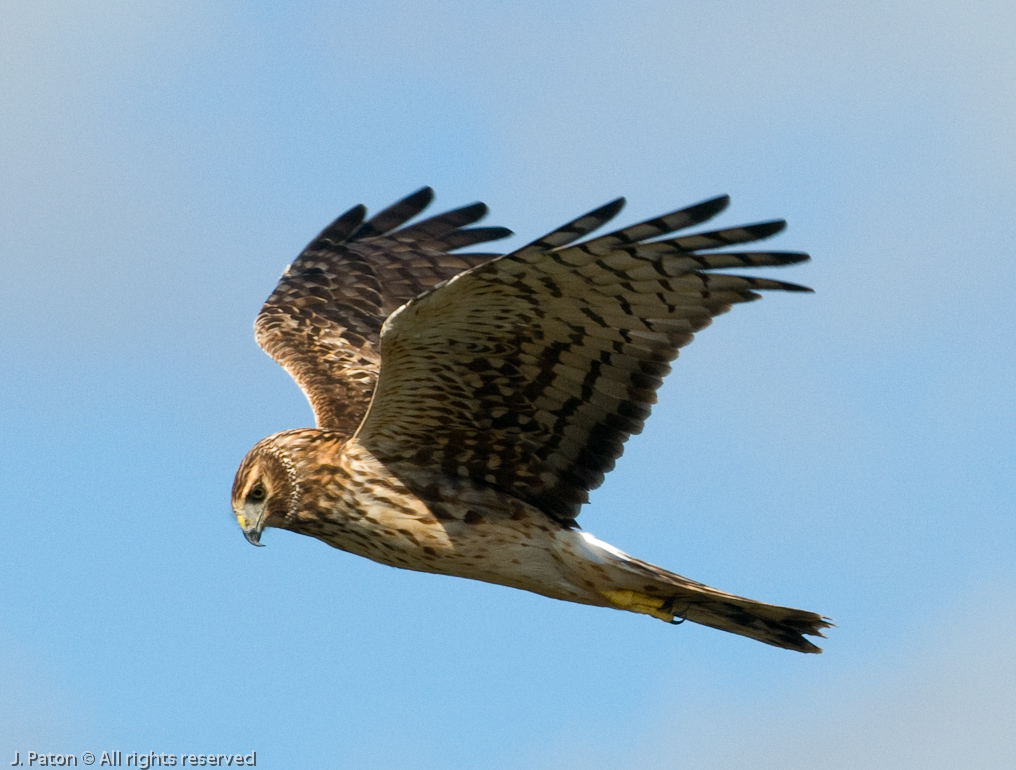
466	404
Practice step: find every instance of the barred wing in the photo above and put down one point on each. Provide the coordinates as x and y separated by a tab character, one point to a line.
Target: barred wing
529	372
322	323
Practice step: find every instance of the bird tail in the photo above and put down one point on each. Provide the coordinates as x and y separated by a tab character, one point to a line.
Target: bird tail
651	590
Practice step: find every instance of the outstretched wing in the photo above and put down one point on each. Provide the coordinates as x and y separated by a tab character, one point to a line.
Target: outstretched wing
529	372
322	323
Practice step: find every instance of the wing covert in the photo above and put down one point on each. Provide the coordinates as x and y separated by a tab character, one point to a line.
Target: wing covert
323	321
529	372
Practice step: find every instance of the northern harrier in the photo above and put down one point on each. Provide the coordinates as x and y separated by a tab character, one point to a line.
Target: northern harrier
467	403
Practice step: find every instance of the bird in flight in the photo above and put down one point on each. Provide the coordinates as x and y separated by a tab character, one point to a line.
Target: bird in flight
466	403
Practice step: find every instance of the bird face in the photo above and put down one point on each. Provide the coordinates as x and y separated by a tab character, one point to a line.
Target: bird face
252	507
262	493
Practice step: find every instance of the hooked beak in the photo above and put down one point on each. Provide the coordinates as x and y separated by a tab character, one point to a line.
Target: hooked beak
251	531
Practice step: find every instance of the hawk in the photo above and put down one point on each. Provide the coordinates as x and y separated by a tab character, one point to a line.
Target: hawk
467	403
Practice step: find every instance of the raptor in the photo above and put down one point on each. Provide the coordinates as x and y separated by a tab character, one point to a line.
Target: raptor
466	403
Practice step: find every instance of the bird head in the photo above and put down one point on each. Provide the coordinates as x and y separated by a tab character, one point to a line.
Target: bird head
264	490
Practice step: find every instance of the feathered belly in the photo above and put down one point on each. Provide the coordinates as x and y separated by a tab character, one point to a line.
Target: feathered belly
453	527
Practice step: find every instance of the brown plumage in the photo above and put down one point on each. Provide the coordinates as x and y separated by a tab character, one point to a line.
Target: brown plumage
466	404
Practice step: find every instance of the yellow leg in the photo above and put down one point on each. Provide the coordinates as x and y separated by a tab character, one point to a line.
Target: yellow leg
636	602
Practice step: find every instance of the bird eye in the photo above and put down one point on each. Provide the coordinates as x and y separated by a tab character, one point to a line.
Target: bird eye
257	493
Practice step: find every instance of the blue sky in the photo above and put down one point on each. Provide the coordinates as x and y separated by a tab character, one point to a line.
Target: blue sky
849	452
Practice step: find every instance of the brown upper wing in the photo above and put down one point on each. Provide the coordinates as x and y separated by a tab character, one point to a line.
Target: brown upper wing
530	371
322	323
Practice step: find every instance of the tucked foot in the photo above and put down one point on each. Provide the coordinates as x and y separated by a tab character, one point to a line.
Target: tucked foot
638	602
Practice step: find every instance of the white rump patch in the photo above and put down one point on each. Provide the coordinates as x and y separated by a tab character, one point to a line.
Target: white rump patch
597	549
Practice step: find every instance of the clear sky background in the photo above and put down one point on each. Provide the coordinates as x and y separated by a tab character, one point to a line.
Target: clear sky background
849	452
